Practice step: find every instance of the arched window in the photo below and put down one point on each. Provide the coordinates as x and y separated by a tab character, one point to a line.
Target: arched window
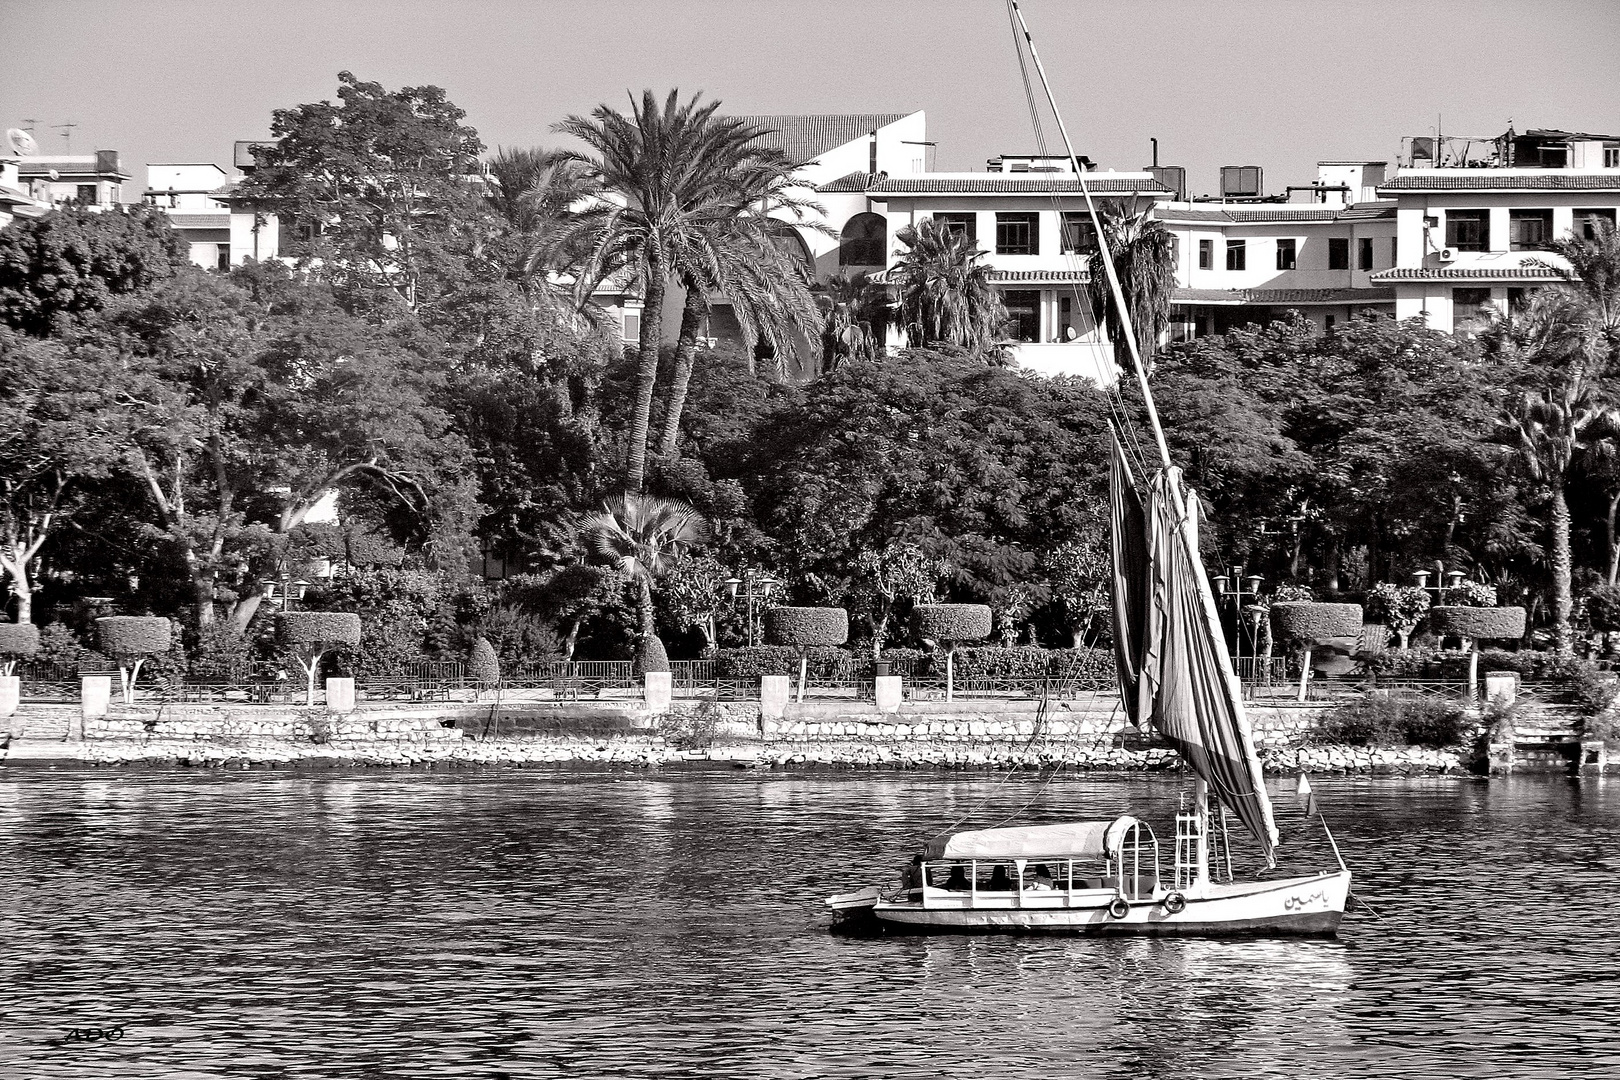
864	241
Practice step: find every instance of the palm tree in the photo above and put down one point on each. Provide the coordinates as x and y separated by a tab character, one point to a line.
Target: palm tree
945	293
1595	273
1145	263
1560	402
641	536
853	325
675	180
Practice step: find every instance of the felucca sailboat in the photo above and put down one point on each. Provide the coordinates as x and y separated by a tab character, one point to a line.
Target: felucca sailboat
1175	674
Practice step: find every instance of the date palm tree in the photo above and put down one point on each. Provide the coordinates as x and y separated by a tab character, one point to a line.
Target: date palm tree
944	289
676	182
1562	400
641	536
1144	260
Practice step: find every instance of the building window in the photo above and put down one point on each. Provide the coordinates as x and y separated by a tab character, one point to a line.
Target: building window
632	327
1588	222
1529	230
1328	323
965	224
864	241
1338	253
1471	310
1394	251
222	258
1364	256
1468	230
1237	254
115	193
1023	314
1018	234
1079	235
1287	253
1611	157
87	194
1206	254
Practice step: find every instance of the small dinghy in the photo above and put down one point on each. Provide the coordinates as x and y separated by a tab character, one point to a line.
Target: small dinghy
1175	676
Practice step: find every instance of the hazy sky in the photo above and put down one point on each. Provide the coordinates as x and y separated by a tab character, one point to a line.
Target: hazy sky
1278	84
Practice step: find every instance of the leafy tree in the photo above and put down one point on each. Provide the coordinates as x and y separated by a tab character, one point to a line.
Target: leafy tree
642	536
376	181
944	290
854	321
677	180
1079	572
1144	259
891	574
694	592
59	428
73	262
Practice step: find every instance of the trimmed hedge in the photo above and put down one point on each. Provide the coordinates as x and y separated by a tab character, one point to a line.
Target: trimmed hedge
325	628
19	639
483	666
953	622
805	627
825	662
1308	621
1492	623
650	655
134	635
972	662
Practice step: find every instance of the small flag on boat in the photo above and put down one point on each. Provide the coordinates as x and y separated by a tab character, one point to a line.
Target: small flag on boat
1305	796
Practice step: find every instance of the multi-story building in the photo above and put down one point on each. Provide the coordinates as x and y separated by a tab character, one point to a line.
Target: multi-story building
93	180
1474	221
222	230
14	201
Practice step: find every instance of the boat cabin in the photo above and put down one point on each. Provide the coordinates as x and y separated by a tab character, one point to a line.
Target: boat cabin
1040	866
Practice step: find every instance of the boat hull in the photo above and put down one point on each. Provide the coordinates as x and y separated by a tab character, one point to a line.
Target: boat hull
1292	907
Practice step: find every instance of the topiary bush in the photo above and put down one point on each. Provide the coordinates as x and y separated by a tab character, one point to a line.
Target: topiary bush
483	666
17	640
1312	623
825	662
1493	623
953	622
805	627
311	634
650	655
132	640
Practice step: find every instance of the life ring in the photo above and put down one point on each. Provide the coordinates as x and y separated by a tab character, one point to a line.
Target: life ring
1175	903
1118	908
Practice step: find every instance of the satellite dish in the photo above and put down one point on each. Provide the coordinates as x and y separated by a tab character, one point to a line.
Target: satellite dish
21	142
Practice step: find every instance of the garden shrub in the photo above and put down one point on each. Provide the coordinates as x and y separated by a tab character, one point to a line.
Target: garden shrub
1287	593
133	635
219	650
1379	719
750	663
803	627
483	666
650	655
1470	594
1493	623
1594	690
1020	662
58	644
1603	607
953	622
1313	623
17	641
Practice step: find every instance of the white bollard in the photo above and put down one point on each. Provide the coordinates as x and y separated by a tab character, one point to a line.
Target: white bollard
775	691
95	692
339	696
10	694
657	691
888	693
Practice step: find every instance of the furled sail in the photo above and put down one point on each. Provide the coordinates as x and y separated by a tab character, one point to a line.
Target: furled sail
1169	643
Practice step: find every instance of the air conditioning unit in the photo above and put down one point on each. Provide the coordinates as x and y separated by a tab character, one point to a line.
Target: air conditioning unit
1447	254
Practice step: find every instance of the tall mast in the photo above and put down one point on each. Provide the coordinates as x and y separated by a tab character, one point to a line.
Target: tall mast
1102	242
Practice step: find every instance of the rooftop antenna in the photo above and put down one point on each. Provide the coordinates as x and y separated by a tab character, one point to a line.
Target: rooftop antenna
29	121
67	135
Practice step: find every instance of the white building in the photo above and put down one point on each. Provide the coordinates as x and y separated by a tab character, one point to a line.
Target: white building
91	180
16	202
1473	229
222	230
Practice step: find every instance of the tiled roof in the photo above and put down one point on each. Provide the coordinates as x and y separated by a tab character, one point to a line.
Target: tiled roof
1283	296
1524	272
1051	277
67	166
855	181
806	137
1242	215
220	219
1016	184
1491	180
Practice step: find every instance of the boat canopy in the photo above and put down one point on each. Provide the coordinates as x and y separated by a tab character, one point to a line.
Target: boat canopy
1075	840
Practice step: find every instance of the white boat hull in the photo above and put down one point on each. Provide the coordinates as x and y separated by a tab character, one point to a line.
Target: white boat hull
1308	906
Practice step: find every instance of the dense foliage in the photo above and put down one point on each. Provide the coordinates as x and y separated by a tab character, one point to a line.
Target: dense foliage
803	627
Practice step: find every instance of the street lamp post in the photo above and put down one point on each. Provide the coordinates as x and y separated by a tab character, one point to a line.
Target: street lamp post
754	586
285	590
1236	588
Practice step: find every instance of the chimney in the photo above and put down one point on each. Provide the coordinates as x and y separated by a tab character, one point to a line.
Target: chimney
871	161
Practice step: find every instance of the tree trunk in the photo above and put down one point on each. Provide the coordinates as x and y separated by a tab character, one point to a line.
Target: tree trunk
645	603
696	307
1078	637
1614	548
1560	568
25	598
652	315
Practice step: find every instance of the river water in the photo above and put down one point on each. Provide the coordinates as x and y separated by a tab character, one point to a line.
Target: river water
586	923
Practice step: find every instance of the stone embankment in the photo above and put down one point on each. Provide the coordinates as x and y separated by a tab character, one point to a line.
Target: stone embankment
824	734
